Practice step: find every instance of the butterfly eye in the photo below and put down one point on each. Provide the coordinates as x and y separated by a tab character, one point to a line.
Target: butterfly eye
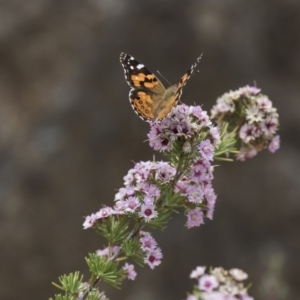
140	102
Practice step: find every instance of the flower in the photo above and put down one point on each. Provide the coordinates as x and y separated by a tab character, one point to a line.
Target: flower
89	221
131	204
106	251
220	284
131	274
251	117
153	258
198	272
195	218
208	283
148	212
275	144
104	212
254	114
195	193
206	150
180	127
247	133
151	190
215	135
148	243
238	274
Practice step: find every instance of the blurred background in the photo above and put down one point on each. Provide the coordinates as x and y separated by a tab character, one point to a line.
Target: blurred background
68	136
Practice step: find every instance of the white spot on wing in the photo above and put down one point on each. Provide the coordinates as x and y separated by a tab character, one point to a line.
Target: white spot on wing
140	66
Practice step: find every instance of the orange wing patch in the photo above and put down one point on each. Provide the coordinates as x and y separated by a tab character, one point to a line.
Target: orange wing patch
149	81
183	80
142	103
166	107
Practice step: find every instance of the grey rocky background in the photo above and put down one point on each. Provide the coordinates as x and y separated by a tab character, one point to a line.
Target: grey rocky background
68	136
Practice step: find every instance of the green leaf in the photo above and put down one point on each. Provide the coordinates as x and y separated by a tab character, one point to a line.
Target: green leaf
105	270
70	283
113	229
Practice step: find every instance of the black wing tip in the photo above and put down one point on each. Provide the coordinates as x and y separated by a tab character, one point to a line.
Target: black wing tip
122	56
199	57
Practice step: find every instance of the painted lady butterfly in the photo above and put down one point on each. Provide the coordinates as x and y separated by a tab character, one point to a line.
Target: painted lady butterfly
148	97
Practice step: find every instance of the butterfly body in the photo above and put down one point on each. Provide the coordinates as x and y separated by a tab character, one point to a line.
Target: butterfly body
148	97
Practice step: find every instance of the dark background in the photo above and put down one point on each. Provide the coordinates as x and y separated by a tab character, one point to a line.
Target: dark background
68	136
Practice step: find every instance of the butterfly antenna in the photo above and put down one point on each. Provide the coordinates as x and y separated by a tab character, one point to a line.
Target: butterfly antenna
164	77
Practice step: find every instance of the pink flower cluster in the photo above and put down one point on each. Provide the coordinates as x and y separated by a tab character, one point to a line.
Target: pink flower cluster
254	116
199	192
153	252
219	284
142	189
103	213
184	123
190	129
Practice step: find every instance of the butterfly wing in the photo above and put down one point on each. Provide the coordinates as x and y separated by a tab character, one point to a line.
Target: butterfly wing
173	93
146	89
183	80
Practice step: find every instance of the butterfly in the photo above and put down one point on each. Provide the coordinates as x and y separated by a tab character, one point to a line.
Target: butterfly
148	97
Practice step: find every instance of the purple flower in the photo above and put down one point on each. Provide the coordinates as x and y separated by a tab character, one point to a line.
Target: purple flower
207	283
148	243
121	194
89	221
201	170
252	115
154	258
246	133
269	126
210	195
120	205
275	144
164	172
131	204
215	135
197	273
195	193
182	124
105	212
195	218
131	274
206	149
210	210
148	200
246	90
182	185
264	103
151	190
246	152
148	212
105	251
